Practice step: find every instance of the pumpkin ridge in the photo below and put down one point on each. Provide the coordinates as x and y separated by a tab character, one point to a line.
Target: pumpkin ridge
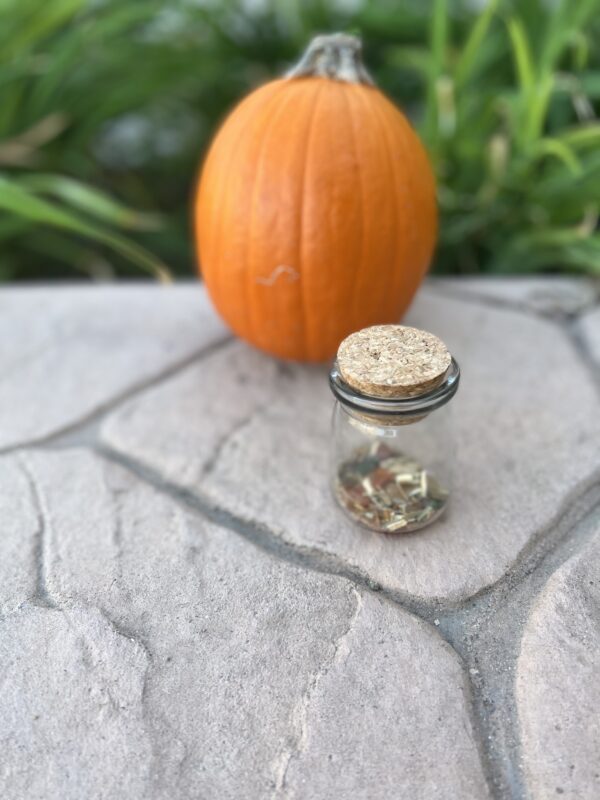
248	288
307	338
249	281
224	185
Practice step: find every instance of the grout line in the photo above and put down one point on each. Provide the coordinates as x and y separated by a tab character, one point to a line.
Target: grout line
309	558
98	413
487	634
482	630
299	555
539	546
474	297
498	743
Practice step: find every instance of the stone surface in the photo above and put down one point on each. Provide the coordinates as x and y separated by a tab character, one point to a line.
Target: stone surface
184	422
513	454
424	739
19	531
64	353
588	327
71	707
549	296
159	647
558	682
178	660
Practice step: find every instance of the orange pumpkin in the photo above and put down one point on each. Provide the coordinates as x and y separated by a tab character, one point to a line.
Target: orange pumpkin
315	212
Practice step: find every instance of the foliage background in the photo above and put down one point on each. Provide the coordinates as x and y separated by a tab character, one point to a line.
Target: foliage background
107	105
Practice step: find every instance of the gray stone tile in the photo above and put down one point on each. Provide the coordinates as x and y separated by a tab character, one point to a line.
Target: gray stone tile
64	353
19	532
71	707
526	404
183	422
589	330
550	296
395	682
558	682
181	661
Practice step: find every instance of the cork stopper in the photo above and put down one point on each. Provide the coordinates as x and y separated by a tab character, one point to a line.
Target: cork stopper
393	361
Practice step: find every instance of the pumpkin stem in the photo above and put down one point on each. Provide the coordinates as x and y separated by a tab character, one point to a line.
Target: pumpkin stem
337	56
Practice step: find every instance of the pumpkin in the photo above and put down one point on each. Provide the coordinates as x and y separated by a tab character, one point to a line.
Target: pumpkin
315	211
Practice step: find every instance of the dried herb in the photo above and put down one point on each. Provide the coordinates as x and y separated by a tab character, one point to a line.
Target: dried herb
388	491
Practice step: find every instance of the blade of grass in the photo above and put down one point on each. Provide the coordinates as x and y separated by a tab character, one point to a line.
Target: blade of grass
18	201
43	20
90	201
464	68
537	109
438	42
522	55
560	150
583	136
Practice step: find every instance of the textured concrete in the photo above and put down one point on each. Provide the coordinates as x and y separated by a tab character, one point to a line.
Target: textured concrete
66	353
372	693
184	613
588	328
197	658
551	296
71	710
558	682
269	460
19	537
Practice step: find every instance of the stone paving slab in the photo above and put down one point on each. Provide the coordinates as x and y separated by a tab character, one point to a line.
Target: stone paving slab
200	621
424	742
19	530
167	657
588	328
71	712
66	352
558	682
514	447
548	296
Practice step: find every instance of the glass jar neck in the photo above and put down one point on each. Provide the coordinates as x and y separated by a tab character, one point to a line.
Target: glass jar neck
387	408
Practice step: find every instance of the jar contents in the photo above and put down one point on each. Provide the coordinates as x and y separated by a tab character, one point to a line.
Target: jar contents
386	490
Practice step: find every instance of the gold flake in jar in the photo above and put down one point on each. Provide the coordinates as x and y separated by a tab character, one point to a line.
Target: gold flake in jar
388	491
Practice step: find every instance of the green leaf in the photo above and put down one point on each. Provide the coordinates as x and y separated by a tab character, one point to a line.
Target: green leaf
17	200
91	201
417	59
538	108
561	150
521	54
583	136
43	20
438	40
464	68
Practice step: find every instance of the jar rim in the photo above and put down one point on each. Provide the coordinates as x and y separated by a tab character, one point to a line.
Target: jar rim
419	405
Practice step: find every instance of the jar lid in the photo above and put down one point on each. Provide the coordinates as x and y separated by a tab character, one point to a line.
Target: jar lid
393	361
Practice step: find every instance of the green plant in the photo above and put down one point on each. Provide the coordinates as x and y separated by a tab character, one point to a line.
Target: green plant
46	214
117	99
516	150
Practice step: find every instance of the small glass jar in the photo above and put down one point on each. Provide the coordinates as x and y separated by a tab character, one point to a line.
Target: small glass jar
391	457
